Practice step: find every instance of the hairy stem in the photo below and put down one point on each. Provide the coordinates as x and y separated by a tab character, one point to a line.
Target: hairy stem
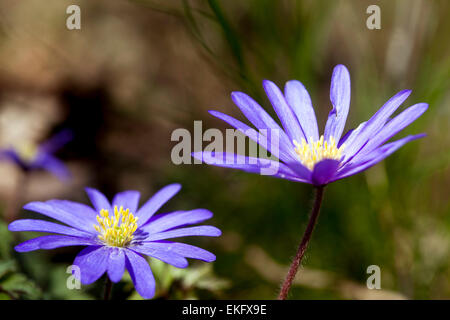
303	245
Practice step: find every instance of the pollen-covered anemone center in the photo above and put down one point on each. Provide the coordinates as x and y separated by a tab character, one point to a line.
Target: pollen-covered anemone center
116	230
316	151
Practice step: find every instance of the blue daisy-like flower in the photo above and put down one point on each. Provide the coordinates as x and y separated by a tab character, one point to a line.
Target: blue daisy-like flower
304	155
119	234
31	157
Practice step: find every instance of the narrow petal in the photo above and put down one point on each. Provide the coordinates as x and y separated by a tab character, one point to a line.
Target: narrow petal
350	137
185	250
284	111
141	274
79	209
4	153
46	226
11	154
300	170
127	199
266	139
345	137
340	98
57	141
324	171
299	100
258	116
208	231
52	242
92	262
52	165
70	218
375	123
116	264
393	127
98	199
374	157
156	202
171	220
250	164
161	253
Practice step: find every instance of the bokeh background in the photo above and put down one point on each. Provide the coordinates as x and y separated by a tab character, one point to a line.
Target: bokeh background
138	69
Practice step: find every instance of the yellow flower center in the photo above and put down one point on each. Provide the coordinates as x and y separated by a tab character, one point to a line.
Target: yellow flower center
314	152
116	230
27	151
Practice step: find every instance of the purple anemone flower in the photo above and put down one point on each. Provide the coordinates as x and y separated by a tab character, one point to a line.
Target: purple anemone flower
304	155
30	157
118	234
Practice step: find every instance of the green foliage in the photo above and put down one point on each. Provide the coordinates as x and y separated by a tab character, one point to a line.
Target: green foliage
13	284
194	282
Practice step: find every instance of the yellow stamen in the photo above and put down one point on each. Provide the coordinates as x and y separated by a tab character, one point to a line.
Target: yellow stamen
314	152
116	230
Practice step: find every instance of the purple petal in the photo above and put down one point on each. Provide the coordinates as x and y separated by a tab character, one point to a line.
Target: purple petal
141	274
127	199
345	137
76	219
92	262
79	209
98	200
374	157
162	253
52	165
5	153
258	116
300	170
208	231
250	164
116	264
284	111
184	250
393	127
52	242
267	141
85	213
175	219
57	141
45	226
299	100
352	135
11	154
340	98
375	123
156	202
324	171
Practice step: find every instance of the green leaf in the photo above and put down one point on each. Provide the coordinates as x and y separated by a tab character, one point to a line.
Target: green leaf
6	242
7	267
19	285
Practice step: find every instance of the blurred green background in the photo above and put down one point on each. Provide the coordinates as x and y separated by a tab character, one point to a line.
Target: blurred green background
139	69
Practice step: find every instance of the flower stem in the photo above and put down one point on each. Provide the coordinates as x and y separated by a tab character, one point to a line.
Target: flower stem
108	287
303	245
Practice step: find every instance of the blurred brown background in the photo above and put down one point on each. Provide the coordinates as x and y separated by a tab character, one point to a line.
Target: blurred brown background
139	69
